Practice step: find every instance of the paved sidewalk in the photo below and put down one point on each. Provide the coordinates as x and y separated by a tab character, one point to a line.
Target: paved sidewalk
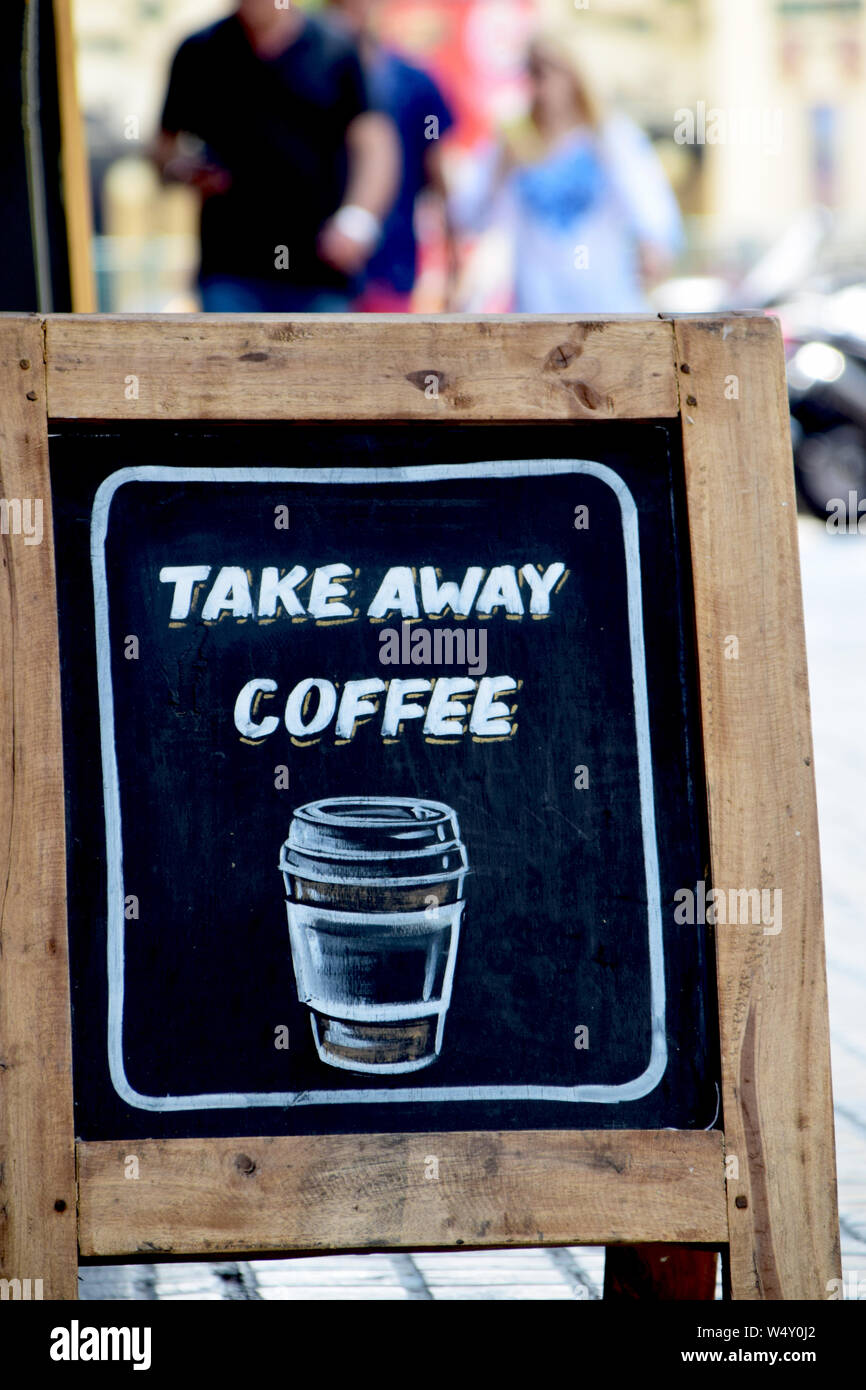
834	584
494	1274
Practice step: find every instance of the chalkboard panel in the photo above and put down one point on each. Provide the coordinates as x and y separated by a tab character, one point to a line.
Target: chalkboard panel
248	960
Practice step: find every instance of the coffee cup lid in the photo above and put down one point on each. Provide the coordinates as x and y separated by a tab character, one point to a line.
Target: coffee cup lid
369	826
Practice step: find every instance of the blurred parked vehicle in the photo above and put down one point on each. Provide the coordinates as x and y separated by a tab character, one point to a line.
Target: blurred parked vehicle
825	344
824	329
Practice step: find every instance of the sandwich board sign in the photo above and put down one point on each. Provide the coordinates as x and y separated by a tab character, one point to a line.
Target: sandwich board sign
411	822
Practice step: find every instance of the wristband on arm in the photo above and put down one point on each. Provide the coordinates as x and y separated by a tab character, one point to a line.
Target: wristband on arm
359	224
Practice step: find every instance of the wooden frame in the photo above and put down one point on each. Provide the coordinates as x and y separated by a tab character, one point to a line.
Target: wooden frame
766	1186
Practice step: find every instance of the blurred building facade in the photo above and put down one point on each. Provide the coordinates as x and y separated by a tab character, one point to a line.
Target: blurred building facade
776	92
758	108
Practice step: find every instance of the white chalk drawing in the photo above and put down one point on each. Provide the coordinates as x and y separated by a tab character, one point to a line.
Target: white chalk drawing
610	1094
374	896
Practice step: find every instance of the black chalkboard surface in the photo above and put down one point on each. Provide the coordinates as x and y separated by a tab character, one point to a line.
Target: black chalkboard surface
476	929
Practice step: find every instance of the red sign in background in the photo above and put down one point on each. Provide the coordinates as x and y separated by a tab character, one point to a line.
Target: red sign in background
475	49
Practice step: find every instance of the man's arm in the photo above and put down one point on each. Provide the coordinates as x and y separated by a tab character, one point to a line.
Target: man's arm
177	154
349	238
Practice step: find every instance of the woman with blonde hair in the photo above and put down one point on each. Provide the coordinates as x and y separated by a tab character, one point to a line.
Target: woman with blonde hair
582	196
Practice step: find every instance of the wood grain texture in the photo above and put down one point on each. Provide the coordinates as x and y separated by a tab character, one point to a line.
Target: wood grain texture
37	1172
345	1192
362	367
778	1119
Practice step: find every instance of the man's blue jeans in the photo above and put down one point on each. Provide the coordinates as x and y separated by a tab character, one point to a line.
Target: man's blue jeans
229	294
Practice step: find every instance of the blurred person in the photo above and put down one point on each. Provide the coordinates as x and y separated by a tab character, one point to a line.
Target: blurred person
295	169
589	214
421	115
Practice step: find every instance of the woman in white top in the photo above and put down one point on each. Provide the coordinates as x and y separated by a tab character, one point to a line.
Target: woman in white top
584	201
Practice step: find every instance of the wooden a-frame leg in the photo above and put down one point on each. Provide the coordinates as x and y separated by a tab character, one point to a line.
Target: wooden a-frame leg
659	1273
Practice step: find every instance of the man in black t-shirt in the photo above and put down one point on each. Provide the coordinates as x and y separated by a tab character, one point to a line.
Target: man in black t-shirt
295	171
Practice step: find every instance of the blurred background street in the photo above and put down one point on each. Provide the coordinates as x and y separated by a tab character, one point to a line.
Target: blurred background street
784	77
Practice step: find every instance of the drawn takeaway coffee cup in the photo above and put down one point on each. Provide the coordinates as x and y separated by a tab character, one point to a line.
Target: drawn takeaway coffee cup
375	897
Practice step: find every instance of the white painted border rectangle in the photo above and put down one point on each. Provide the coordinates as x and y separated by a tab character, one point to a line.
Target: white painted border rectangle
603	1094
